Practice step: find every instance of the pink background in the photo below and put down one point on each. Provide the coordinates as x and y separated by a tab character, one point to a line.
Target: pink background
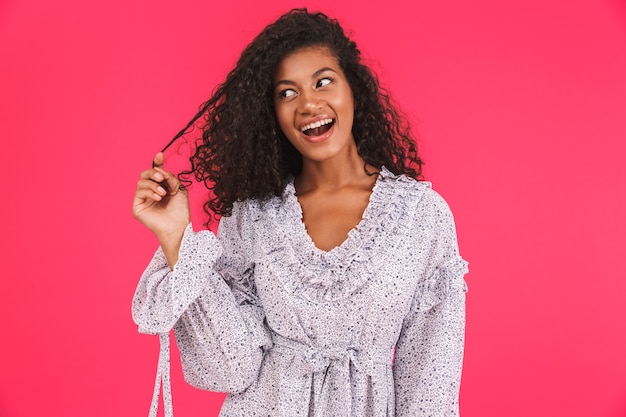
521	108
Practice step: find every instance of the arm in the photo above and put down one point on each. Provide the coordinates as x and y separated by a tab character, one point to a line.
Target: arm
222	336
188	285
429	351
208	298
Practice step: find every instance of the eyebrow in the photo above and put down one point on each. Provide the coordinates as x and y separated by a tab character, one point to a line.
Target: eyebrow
315	74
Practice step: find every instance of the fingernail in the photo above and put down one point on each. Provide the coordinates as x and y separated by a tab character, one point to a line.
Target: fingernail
158	176
161	190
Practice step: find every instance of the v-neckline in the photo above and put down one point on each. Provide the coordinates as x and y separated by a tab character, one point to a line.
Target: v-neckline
316	275
352	233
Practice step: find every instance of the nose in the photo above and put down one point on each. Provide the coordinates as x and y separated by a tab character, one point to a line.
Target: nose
310	101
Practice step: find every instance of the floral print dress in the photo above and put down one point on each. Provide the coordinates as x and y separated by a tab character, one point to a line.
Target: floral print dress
373	327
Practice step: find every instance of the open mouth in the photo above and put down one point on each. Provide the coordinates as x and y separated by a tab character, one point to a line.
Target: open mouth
318	128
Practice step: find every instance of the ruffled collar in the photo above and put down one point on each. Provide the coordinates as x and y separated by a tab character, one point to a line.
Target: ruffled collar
325	276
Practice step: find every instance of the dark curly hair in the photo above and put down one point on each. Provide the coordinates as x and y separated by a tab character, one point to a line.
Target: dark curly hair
243	153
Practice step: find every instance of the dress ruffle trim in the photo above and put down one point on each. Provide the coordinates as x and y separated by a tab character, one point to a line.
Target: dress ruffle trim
446	278
313	274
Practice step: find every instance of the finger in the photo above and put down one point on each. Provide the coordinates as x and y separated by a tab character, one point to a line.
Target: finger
148	174
157	162
167	180
143	200
155	174
146	196
155	187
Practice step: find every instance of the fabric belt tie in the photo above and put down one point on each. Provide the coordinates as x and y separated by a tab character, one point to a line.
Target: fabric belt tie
163	376
311	359
335	363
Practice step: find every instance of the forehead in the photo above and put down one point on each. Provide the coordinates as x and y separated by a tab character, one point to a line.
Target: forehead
305	61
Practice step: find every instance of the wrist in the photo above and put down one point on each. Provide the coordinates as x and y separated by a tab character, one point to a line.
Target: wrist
171	240
173	233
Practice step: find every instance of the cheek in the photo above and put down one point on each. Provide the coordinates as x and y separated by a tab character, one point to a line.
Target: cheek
345	101
347	109
285	125
281	116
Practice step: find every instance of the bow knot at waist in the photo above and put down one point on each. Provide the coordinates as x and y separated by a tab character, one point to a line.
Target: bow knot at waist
309	359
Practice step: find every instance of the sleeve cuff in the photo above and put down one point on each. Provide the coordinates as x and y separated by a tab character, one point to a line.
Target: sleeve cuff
162	295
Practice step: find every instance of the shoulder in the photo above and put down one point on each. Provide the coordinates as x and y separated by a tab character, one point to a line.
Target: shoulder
239	220
425	207
251	214
434	203
421	193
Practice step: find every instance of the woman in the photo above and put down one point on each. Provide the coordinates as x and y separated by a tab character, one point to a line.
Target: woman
334	286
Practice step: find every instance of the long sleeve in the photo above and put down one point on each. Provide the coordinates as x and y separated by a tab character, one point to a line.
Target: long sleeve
429	351
162	295
222	336
209	299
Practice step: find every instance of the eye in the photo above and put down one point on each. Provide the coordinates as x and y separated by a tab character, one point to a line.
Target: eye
323	82
287	93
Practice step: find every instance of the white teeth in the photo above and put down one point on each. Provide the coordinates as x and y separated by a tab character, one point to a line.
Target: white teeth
316	124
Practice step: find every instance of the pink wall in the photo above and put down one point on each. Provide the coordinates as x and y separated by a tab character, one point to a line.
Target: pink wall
522	113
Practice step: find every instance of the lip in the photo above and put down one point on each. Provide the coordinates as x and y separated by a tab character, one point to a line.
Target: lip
318	139
321	138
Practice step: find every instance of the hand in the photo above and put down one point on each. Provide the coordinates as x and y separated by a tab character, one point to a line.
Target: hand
165	213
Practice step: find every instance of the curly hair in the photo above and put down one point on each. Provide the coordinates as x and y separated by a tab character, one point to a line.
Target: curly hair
243	154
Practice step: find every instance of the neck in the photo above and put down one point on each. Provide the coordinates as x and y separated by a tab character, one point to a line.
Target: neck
333	174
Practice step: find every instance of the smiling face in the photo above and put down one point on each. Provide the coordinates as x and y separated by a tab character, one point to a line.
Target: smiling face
314	104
